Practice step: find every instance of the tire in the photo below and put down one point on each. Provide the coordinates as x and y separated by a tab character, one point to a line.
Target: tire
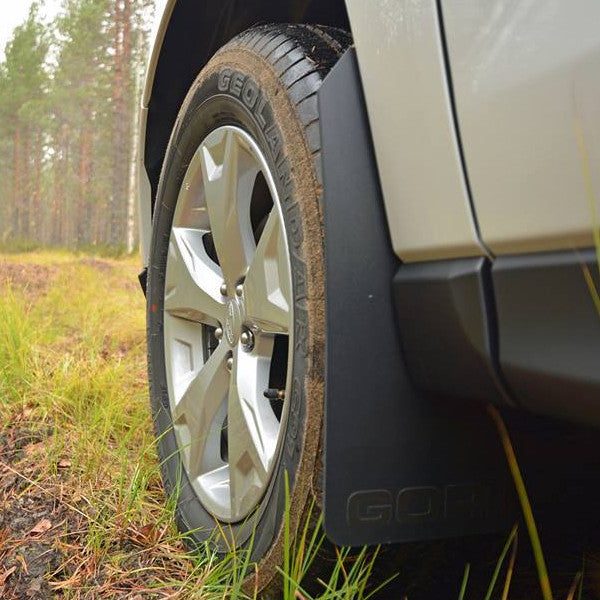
256	99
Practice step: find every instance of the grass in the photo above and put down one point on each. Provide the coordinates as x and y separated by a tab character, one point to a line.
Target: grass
77	451
83	509
73	382
23	246
73	378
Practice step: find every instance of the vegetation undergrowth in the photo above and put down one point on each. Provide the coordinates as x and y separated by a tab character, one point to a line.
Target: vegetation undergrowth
84	512
576	588
25	246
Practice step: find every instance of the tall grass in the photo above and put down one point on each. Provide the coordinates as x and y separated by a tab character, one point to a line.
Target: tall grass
73	375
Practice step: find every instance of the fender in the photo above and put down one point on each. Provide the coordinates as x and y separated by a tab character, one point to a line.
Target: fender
188	34
405	76
157	37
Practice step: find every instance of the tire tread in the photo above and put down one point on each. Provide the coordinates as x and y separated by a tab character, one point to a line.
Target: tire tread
301	55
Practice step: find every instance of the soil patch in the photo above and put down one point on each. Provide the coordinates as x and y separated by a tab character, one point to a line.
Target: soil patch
33	279
29	521
100	265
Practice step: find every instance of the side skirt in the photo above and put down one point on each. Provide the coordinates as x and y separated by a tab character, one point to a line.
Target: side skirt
549	332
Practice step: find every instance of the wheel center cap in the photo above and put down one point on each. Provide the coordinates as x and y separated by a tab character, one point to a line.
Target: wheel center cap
233	322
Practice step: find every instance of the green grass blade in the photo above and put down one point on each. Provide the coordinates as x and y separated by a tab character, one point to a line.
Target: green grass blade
530	523
465	581
500	562
511	568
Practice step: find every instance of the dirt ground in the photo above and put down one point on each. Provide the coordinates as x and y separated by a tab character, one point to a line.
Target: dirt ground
43	533
31	277
47	516
31	519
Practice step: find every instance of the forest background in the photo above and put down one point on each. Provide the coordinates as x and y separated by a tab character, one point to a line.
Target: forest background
69	98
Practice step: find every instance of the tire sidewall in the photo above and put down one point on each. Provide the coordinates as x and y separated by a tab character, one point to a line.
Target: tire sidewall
228	94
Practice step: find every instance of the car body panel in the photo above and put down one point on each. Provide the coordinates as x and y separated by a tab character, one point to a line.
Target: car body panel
164	8
145	194
403	73
526	83
400	55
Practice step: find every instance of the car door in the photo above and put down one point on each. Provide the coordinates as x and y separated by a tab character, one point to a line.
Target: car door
526	83
525	77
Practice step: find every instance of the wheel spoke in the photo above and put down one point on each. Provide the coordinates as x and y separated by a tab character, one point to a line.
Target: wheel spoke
216	484
193	280
252	428
267	285
229	172
191	211
201	396
220	275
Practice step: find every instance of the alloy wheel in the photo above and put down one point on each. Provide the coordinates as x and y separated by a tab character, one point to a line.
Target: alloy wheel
228	323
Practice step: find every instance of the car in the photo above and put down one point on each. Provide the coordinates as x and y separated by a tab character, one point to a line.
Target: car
363	223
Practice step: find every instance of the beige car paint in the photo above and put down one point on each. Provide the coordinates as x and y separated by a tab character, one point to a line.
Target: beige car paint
526	78
164	10
401	63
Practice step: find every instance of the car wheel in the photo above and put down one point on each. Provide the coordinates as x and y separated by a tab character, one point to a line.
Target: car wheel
236	292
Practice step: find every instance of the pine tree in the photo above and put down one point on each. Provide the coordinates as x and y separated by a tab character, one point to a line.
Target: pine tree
23	82
78	98
68	99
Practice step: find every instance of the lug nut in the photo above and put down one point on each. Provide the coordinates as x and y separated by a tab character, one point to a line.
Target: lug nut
274	394
247	339
239	290
229	364
224	289
219	333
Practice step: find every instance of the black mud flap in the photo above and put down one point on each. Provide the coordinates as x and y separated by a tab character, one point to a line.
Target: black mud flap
143	279
398	466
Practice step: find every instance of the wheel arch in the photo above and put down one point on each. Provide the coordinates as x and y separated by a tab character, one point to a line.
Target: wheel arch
188	36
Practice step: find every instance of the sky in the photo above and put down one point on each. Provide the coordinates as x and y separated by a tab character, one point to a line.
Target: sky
14	12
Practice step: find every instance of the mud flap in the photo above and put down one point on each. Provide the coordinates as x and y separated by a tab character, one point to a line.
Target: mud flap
398	466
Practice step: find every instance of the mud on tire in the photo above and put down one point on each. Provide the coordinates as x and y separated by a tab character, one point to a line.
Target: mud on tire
264	81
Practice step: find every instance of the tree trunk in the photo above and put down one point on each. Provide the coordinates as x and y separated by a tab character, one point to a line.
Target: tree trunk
25	189
55	216
37	220
16	218
84	180
122	121
133	172
118	89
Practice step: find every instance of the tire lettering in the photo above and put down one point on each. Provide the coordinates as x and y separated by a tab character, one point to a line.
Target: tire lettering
291	440
301	332
285	175
295	409
274	140
236	84
250	93
298	269
295	225
258	112
224	79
